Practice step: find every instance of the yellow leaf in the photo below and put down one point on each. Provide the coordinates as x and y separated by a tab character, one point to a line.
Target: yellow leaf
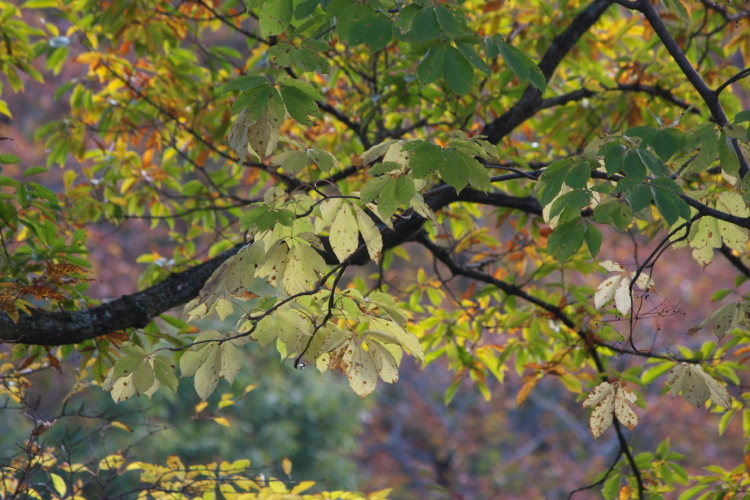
303	486
127	184
249	388
201	406
528	386
222	421
122	426
59	484
111	462
286	464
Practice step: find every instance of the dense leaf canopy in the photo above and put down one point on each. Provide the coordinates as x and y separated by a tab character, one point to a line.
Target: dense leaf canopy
488	187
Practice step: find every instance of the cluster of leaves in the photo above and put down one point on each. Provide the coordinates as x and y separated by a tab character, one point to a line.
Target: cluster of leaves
393	96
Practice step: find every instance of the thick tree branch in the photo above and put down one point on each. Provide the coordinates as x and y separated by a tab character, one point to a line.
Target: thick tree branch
129	311
710	97
531	100
137	310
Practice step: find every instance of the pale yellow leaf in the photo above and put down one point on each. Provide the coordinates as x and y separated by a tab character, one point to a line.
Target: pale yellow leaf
344	236
231	361
224	308
375	152
370	233
719	393
684	377
405	338
623	412
606	291
598	395
207	375
385	363
363	375
622	296
123	389
612	266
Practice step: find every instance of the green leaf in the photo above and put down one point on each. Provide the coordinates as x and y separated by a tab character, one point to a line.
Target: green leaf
305	60
255	101
432	66
615	213
613	157
282	53
387	201
299	105
679	9
126	365
424	158
452	168
375	32
292	162
730	162
667	142
59	484
276	16
654	164
537	78
404	189
579	174
566	240
516	60
666	202
470	54
325	160
645	133
612	486
553	179
742	116
593	239
639	197
574	200
143	378
305	8
244	83
633	167
459	74
264	218
373	188
34	171
704	139
347	18
384	168
425	26
450	26
479	176
6	158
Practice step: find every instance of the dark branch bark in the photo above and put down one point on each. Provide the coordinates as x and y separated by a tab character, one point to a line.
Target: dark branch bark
138	309
531	100
129	311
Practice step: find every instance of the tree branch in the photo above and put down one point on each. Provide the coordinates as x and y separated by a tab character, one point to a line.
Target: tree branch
129	311
531	100
710	97
138	309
